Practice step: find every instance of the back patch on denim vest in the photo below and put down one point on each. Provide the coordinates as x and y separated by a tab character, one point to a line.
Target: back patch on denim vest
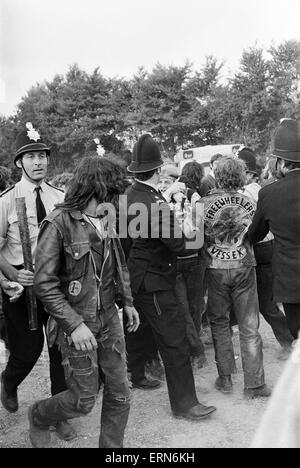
227	218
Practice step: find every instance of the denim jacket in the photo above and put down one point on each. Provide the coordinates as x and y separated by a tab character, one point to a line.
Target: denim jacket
65	279
227	216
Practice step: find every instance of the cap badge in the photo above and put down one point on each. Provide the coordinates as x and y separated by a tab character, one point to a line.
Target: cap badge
100	150
32	133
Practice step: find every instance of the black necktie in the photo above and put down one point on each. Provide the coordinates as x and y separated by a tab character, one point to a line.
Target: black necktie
40	208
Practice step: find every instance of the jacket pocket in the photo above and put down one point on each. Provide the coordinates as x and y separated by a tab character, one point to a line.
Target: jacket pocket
77	259
82	376
14	232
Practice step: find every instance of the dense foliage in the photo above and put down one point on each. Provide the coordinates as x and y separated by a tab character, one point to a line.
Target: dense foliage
180	106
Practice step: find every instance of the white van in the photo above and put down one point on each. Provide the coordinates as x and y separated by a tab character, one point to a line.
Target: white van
202	155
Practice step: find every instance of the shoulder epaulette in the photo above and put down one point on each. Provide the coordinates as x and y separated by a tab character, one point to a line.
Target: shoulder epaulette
56	188
7	190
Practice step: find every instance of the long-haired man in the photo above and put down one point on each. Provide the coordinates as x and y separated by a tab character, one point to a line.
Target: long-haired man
78	271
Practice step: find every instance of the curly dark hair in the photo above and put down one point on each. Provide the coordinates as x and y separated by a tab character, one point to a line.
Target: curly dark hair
192	173
230	174
94	177
114	175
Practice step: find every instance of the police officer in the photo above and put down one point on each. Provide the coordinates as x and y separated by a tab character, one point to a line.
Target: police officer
26	346
278	210
152	268
263	252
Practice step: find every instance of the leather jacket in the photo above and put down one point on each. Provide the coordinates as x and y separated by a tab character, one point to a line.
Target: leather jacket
66	282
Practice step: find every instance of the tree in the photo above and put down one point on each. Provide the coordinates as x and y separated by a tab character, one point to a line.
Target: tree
180	106
284	90
8	133
248	93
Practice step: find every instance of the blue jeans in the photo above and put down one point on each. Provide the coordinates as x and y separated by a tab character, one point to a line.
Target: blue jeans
82	369
237	288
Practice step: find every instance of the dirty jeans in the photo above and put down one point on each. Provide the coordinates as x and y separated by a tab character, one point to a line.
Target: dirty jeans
82	370
237	288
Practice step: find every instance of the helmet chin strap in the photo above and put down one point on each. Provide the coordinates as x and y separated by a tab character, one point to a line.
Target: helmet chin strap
23	168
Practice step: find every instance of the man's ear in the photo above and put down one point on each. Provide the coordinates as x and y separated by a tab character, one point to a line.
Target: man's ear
19	163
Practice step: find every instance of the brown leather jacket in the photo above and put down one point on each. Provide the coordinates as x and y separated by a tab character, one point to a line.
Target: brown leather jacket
65	279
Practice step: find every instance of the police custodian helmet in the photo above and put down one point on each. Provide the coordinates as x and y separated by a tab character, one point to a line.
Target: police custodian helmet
29	140
145	156
286	144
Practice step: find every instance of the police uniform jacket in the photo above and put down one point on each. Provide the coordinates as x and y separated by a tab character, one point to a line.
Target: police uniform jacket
278	210
152	254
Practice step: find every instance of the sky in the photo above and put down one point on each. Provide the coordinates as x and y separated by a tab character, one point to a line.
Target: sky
40	38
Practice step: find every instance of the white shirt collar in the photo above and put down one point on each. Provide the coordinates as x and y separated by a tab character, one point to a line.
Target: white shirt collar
30	186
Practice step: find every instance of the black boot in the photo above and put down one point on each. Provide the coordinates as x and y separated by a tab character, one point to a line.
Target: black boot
9	400
224	384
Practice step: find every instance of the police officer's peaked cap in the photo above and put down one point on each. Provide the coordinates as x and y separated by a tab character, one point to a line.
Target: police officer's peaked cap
286	144
29	140
145	156
248	156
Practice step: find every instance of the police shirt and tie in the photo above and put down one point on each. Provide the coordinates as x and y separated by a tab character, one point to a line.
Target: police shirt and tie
40	201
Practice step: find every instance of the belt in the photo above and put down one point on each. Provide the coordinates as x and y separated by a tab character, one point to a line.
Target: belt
188	256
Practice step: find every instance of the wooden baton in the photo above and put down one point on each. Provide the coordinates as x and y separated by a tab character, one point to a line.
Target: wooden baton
28	264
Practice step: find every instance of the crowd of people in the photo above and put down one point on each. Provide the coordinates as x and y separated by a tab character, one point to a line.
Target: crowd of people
131	265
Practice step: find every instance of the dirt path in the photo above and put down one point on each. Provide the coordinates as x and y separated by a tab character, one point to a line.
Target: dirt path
151	424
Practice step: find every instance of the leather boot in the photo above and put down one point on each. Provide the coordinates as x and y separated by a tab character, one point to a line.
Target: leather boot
259	392
39	436
196	413
224	384
9	401
146	384
65	431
